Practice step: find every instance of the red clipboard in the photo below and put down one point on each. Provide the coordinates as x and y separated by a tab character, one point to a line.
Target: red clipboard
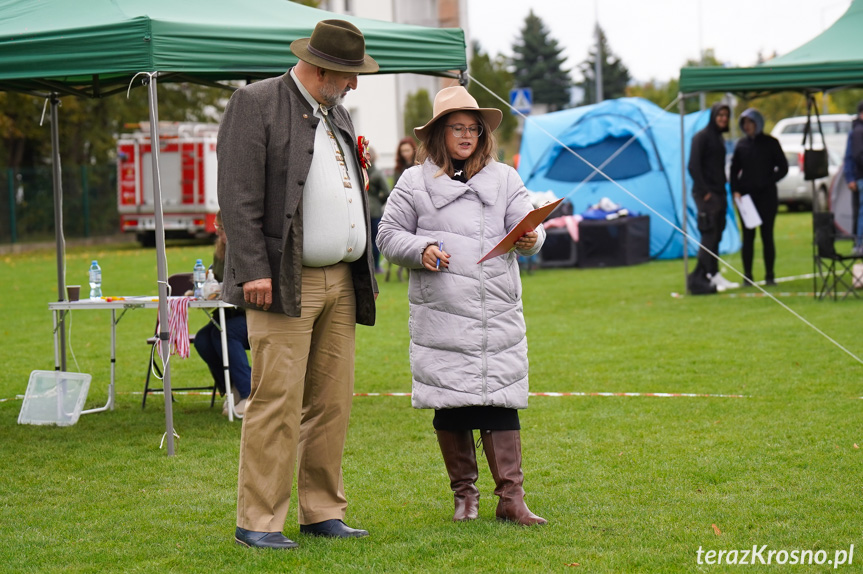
528	223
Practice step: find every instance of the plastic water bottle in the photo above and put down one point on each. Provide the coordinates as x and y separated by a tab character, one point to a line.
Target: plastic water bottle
199	276
95	280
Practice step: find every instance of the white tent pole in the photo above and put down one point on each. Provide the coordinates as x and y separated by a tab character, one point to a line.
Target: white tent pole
58	222
161	263
682	110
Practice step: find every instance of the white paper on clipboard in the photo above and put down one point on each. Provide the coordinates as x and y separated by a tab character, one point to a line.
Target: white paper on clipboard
748	213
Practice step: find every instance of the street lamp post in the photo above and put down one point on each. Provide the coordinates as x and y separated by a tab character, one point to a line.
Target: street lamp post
599	56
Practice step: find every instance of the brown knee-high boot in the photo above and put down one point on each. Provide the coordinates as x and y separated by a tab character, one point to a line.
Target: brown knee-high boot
503	451
459	455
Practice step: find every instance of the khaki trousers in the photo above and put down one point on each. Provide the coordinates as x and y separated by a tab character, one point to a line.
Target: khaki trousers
298	410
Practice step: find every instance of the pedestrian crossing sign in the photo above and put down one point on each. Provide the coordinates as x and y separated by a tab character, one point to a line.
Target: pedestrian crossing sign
521	100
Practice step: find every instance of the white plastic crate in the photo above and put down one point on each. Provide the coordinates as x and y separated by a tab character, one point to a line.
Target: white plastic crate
54	398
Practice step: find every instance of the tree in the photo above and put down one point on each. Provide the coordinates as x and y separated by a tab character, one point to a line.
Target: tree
87	138
845	101
88	127
418	110
776	106
22	140
773	106
663	94
615	75
494	75
660	93
539	65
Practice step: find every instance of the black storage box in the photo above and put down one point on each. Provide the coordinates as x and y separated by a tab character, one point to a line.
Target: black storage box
559	250
613	242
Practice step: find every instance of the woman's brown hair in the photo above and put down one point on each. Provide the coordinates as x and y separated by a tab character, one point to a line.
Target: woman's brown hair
401	164
434	148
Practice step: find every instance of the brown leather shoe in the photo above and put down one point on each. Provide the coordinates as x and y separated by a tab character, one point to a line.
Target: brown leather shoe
503	451
459	456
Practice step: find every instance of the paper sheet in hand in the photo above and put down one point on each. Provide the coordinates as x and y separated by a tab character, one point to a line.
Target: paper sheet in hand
528	223
748	213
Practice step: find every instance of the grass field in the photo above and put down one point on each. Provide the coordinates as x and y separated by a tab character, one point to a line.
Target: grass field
628	483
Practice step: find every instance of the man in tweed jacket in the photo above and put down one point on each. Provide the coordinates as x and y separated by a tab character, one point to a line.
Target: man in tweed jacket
299	259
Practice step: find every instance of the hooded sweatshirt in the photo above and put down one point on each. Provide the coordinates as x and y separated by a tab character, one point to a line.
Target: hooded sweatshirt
707	157
758	161
853	166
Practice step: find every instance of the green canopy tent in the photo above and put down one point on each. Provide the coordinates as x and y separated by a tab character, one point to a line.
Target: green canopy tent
832	60
95	48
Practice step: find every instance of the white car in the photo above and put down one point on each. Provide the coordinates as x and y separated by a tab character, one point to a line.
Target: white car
836	128
796	192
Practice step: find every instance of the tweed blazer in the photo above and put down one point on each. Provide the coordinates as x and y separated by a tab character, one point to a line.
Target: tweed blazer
264	151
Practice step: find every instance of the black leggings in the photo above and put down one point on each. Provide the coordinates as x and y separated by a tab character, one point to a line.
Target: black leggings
485	418
767	209
711	224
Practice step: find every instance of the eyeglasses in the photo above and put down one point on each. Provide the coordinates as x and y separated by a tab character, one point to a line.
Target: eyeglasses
458	130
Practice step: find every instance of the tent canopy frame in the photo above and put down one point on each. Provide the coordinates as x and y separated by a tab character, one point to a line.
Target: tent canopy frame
96	48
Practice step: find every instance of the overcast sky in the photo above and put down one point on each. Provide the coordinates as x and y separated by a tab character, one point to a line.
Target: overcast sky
654	38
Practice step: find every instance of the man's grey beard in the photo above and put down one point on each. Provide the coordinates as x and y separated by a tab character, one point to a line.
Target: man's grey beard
331	95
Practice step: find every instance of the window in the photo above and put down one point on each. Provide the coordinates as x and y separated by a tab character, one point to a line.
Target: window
836	127
829	127
631	162
794	128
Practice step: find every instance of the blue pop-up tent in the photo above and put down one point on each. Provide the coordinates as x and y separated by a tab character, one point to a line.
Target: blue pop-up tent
648	166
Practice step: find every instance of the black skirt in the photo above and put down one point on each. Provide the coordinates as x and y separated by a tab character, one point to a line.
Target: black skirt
482	418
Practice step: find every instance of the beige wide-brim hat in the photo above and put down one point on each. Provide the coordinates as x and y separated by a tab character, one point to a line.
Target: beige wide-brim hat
457	99
335	45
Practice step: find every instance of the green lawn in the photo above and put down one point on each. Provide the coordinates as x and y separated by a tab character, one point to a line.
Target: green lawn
628	483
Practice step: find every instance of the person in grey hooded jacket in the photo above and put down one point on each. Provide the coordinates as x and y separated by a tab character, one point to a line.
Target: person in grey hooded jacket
757	164
468	349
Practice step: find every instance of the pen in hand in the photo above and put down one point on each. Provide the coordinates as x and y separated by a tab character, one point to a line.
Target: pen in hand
440	247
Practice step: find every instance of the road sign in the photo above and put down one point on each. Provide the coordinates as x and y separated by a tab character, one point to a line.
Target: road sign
521	99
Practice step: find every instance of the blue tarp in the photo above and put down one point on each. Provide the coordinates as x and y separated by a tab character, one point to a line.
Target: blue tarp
648	167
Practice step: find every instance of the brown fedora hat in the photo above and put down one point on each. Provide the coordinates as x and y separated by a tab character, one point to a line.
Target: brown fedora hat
335	45
456	99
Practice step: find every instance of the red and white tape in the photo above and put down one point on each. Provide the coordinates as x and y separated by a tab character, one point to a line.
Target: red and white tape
580	394
567	394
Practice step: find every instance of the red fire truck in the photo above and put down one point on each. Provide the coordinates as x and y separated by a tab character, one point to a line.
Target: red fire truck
187	163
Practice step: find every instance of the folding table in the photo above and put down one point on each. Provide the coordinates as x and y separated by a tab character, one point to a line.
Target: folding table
124	304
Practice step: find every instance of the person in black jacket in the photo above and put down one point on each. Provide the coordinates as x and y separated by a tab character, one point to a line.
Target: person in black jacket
757	164
853	169
707	168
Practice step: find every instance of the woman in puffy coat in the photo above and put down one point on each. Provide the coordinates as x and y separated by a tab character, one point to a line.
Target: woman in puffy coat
468	348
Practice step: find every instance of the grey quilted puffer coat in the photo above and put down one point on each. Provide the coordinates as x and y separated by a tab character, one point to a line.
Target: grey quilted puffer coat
468	344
